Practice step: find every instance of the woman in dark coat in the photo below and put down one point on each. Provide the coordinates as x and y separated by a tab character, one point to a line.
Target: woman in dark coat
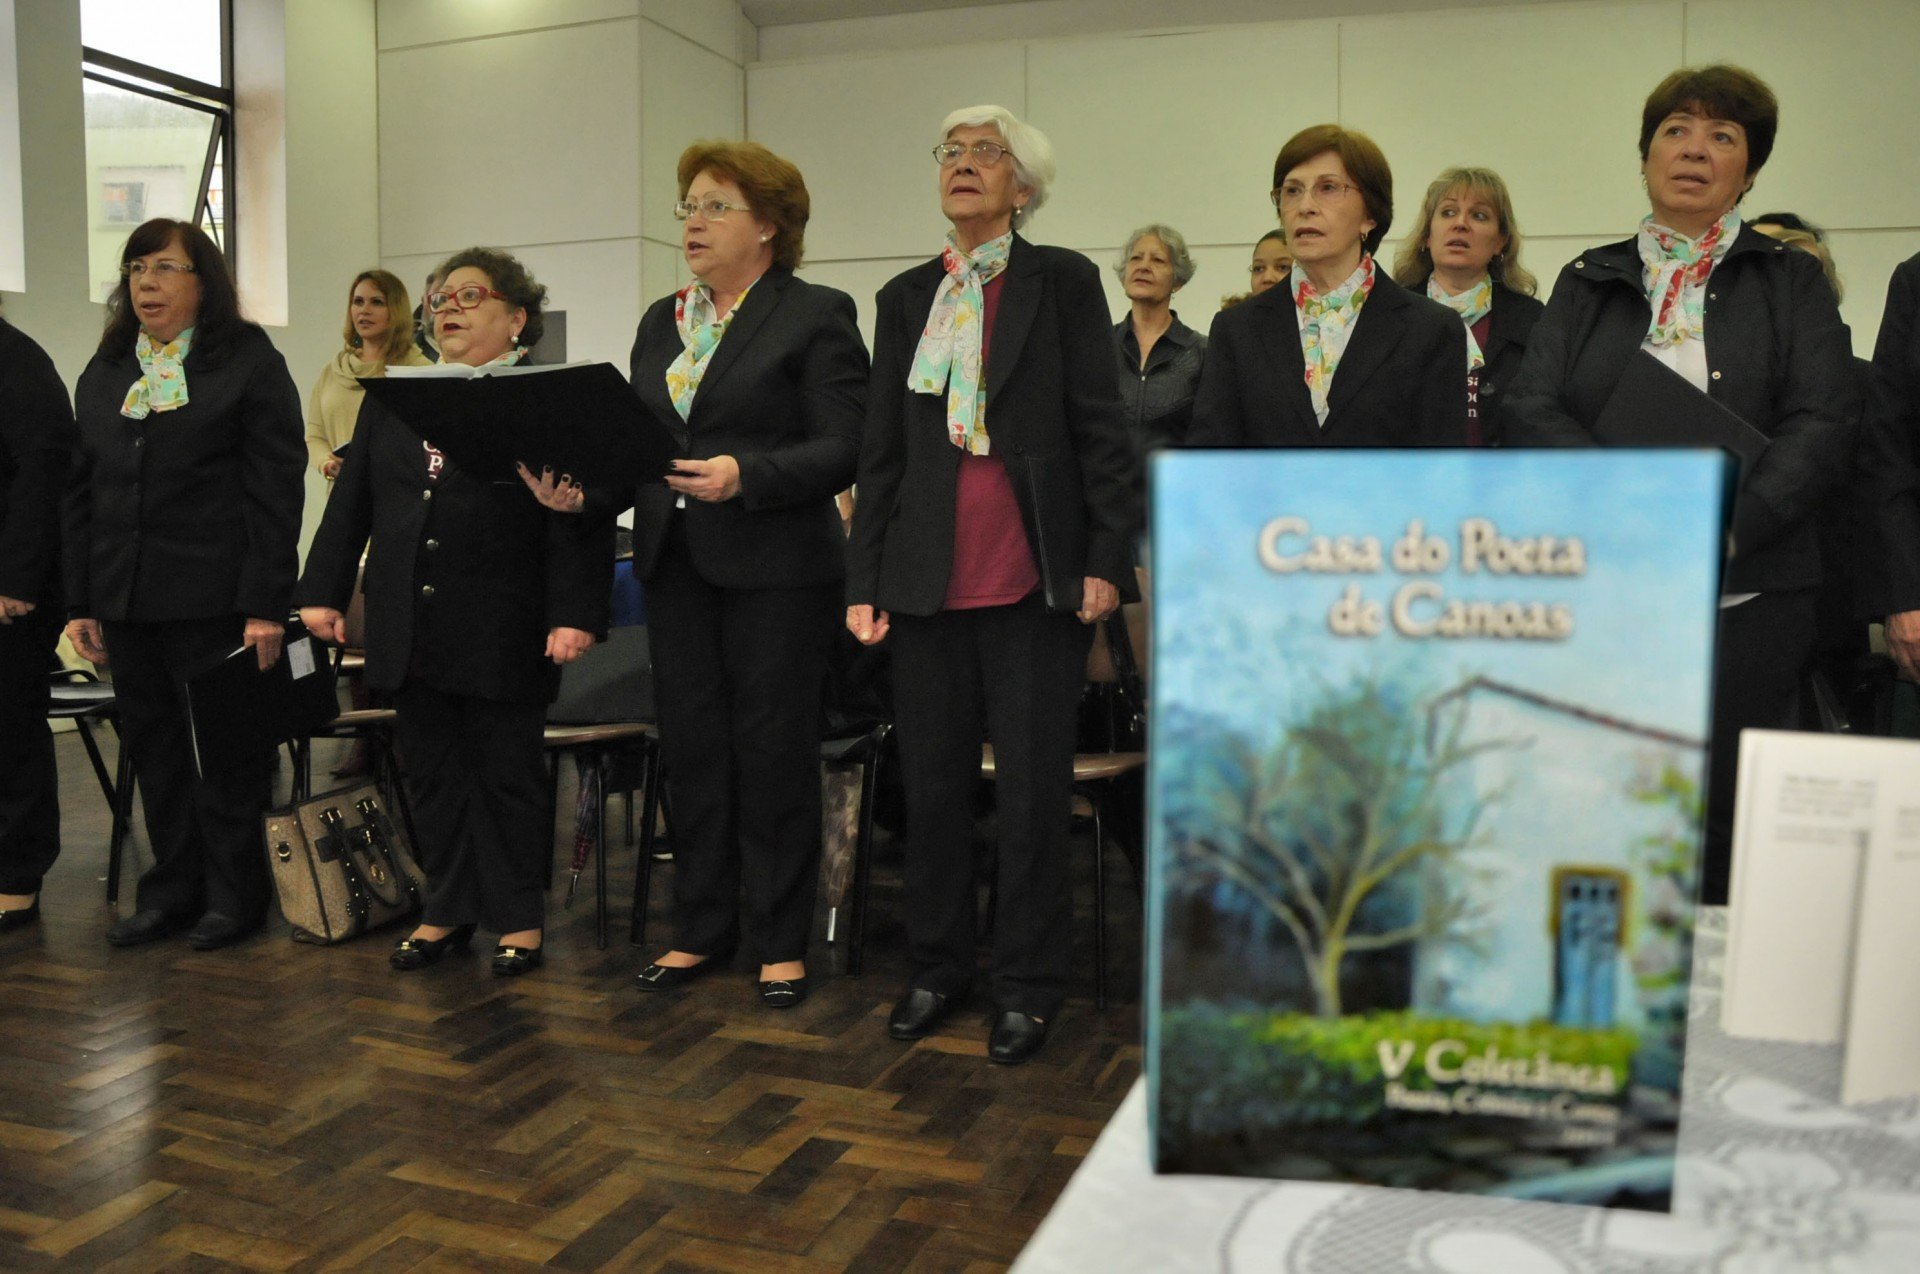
1160	356
1754	325
182	523
1342	356
36	443
1465	253
996	509
475	597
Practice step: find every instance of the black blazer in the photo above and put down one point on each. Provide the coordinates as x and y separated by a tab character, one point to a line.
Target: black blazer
1053	413
464	576
1890	456
1402	381
192	513
783	396
36	445
1778	355
1509	327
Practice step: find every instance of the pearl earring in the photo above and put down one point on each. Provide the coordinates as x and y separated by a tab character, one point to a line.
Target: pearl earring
765	237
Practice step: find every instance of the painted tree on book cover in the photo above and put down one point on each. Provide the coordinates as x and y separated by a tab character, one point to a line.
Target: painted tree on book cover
1350	800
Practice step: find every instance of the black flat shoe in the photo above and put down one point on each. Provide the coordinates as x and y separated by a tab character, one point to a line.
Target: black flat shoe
418	953
1016	1037
671	977
783	993
918	1012
20	917
143	927
511	962
215	930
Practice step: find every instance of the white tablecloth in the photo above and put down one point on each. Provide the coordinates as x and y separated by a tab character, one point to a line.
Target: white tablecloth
1774	1176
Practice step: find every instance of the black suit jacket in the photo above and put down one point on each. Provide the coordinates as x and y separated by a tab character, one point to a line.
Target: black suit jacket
464	576
192	513
1779	357
1401	382
1509	327
36	446
783	396
1890	455
1053	414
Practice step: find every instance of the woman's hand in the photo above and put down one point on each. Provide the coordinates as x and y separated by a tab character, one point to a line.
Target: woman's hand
709	480
870	626
264	636
326	623
1903	641
1098	599
562	496
330	467
564	645
86	639
12	608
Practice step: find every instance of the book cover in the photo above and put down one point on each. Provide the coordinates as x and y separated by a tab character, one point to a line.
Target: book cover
1425	786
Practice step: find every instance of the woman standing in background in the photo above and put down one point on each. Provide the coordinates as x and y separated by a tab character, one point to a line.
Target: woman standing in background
1160	356
379	334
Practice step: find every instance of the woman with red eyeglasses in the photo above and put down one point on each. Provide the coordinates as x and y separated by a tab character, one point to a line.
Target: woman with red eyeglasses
475	595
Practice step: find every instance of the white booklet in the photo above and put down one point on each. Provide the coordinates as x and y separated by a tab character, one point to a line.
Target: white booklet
1824	894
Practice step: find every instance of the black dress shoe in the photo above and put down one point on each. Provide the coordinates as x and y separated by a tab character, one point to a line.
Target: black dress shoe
215	931
418	953
511	962
20	917
1015	1038
141	927
783	993
918	1012
671	977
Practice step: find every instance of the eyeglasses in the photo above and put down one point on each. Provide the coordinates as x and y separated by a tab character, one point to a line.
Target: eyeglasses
463	298
1326	189
713	208
986	153
159	269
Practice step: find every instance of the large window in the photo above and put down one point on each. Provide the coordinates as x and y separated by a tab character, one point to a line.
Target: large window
159	105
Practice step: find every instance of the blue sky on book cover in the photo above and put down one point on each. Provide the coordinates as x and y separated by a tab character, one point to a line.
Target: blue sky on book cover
1428	757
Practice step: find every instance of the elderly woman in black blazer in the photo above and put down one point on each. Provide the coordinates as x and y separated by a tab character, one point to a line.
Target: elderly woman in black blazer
1342	356
36	444
996	509
1889	574
475	596
1465	253
182	523
1754	325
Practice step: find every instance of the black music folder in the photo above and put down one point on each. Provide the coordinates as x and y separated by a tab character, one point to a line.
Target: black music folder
1655	406
236	711
581	419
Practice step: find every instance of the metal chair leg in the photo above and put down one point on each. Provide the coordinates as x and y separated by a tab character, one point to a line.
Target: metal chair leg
93	755
122	817
600	848
863	863
643	865
1099	906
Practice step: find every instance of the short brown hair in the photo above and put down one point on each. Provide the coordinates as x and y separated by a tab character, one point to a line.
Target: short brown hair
508	277
774	188
399	306
1363	161
1716	92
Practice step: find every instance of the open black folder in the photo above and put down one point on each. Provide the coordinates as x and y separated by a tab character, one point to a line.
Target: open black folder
581	419
236	711
1655	406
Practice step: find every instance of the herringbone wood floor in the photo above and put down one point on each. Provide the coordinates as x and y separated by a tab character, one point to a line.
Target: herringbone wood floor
283	1107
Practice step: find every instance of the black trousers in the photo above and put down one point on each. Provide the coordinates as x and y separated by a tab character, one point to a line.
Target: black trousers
477	780
1765	647
1011	674
29	783
738	680
205	832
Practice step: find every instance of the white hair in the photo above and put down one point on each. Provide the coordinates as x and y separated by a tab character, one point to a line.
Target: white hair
1033	163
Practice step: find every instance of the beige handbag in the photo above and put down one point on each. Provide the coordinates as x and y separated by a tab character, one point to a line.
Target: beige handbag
341	864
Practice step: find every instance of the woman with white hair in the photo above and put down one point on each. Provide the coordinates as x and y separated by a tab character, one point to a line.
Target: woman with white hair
1159	355
993	528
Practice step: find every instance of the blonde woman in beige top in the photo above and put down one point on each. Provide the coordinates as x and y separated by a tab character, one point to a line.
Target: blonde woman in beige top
379	331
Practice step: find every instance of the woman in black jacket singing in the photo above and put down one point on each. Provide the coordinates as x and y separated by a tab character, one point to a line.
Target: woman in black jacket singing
1754	325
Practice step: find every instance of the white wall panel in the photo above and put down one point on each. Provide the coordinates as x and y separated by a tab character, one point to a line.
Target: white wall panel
860	280
1866	259
410	22
1149	129
689	94
546	166
1549	97
714	24
662	270
1849	102
861	129
13	239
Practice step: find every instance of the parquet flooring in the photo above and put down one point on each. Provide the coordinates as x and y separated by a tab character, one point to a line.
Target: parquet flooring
283	1107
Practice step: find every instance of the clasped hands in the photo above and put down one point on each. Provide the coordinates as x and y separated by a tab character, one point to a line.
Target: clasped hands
1098	599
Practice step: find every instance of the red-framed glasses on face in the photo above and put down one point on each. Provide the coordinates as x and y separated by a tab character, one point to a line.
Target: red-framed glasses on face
462	298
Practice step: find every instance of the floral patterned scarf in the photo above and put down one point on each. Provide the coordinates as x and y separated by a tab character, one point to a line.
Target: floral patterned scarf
163	376
1471	305
948	356
1672	268
1327	325
700	333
